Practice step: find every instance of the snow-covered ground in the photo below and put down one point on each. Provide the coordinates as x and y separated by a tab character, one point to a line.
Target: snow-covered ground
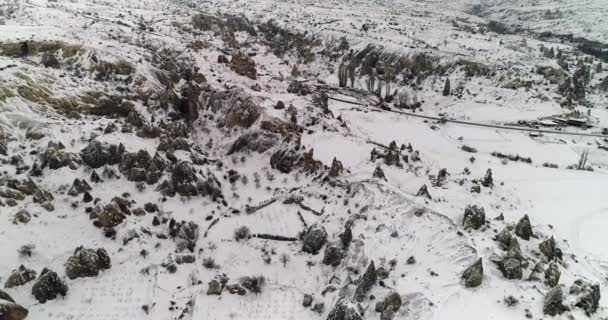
390	220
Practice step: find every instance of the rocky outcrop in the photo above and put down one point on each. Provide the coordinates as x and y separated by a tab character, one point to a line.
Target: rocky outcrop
110	215
79	187
552	275
550	250
55	157
9	310
390	305
98	154
49	286
487	180
243	65
314	239
588	296
19	277
187	236
288	158
87	263
333	255
554	302
336	168
424	192
344	310
523	229
474	217
473	275
366	282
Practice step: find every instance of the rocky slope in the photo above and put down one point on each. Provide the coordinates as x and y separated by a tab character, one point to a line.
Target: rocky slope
298	160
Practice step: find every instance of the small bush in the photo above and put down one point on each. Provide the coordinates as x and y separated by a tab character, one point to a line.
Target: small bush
254	284
242	233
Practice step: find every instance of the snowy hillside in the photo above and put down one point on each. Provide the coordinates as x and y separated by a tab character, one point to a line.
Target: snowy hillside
303	160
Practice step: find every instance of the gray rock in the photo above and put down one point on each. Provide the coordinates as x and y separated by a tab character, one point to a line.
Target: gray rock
307	301
424	192
504	238
333	255
366	282
98	154
390	306
215	288
336	168
512	268
184	178
135	165
110	216
236	289
50	61
9	310
588	296
473	275
9	193
49	286
474	217
537	272
79	187
379	173
6	297
187	236
523	229
23	216
550	250
487	180
552	275
20	277
87	263
314	239
344	310
554	302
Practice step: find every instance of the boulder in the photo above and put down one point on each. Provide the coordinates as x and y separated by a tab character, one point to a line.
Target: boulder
379	173
552	275
588	296
512	268
474	217
110	215
314	239
50	61
344	310
336	168
9	310
333	255
49	286
23	216
550	250
504	238
424	192
537	272
243	65
523	229
390	305
487	180
87	263
307	301
79	187
473	275
20	277
187	236
97	154
366	282
135	165
215	288
554	302
184	178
